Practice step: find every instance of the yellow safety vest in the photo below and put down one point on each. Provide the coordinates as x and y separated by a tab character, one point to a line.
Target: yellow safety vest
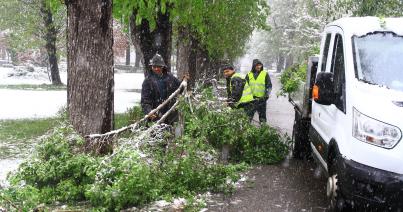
258	85
246	93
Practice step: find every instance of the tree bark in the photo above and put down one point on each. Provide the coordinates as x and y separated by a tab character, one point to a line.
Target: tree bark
193	71
193	59
203	64
50	38
90	66
190	57
138	57
280	62
128	53
183	52
135	38
213	70
289	61
150	42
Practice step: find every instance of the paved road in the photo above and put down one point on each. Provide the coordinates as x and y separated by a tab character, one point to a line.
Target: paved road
290	186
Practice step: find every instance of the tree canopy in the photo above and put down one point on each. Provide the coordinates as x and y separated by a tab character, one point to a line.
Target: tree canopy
21	20
296	25
222	27
372	7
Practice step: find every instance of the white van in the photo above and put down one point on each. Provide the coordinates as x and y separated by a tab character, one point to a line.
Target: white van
356	119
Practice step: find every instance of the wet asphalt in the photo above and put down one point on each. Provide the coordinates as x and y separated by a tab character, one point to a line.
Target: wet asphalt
293	185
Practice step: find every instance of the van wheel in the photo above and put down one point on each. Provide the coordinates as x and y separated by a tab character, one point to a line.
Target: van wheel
300	136
336	200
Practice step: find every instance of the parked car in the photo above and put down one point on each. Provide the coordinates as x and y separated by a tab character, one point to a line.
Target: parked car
349	113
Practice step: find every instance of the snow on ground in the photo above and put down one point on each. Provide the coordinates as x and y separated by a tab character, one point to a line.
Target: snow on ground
128	81
17	104
19	75
7	165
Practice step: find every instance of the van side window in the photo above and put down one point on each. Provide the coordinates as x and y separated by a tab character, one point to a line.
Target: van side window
325	52
337	69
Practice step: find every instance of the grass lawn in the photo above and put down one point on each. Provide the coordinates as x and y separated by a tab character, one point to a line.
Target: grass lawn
23	129
132	115
18	136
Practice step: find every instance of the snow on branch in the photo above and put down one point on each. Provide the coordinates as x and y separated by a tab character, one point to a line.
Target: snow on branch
111	134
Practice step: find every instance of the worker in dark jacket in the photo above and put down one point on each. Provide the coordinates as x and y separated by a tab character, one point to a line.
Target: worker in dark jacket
260	83
239	92
156	88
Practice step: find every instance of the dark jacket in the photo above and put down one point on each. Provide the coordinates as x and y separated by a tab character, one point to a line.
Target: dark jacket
156	89
235	93
268	84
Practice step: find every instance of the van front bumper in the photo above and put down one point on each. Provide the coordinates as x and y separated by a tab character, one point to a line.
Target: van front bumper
370	187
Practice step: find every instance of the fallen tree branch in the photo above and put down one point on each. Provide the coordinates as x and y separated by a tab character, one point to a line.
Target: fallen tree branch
167	113
11	203
135	125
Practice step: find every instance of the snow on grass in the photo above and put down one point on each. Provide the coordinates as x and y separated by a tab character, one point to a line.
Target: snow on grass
125	81
18	104
9	76
18	75
7	165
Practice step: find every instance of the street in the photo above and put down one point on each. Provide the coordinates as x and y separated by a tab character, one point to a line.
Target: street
290	186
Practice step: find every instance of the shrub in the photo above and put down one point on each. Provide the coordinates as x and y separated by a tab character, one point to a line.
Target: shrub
223	125
263	145
55	172
291	78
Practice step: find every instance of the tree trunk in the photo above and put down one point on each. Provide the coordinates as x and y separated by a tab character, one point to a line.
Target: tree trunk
136	43
193	59
90	66
280	62
203	64
151	42
138	57
50	38
128	54
183	52
193	71
289	61
186	61
214	70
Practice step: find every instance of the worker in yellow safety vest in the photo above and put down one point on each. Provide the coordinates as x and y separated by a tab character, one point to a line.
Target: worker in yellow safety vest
238	90
260	84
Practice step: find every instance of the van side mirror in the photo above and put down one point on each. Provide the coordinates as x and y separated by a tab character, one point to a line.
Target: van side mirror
323	90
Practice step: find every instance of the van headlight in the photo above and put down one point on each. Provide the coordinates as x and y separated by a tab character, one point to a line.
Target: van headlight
375	132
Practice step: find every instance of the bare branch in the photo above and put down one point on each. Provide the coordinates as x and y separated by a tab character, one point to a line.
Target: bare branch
135	125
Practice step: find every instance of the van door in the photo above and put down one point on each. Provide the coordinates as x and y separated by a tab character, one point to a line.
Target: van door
328	120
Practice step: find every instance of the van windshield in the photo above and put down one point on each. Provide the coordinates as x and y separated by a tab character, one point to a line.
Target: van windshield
378	59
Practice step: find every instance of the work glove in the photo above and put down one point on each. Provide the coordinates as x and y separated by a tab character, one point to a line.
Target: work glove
153	117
